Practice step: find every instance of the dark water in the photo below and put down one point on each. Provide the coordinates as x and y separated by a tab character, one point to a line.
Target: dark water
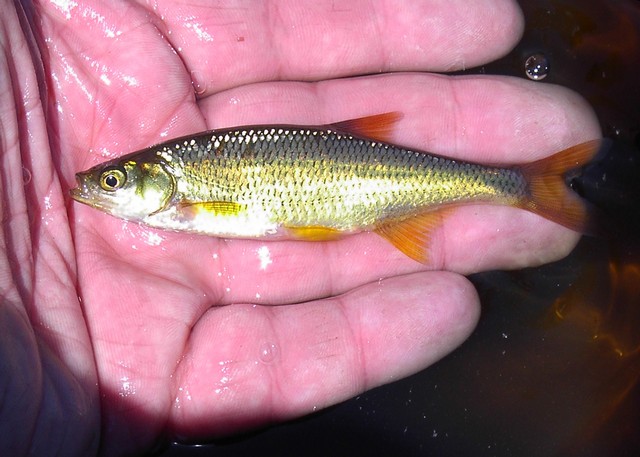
553	367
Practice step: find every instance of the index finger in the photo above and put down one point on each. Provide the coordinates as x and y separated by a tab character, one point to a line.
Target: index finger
485	119
244	42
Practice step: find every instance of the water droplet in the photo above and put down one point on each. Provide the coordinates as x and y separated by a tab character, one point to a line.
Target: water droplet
536	67
127	387
264	256
268	352
47	202
26	176
154	239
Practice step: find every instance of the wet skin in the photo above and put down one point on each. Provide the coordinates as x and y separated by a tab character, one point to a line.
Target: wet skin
112	334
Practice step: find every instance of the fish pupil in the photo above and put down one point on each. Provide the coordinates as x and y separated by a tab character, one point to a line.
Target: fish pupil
112	179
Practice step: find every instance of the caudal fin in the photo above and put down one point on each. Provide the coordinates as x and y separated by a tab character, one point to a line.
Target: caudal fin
549	194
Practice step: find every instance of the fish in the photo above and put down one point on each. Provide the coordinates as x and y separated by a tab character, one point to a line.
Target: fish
320	183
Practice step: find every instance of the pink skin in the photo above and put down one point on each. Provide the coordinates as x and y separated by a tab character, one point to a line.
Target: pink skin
111	333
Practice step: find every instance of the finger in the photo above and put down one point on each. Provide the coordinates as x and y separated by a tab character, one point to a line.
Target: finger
99	77
245	366
496	119
239	43
116	85
486	119
47	374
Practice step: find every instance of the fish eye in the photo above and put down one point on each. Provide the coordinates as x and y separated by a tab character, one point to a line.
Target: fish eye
113	178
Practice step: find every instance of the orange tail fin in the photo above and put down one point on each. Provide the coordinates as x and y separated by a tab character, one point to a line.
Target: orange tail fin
550	196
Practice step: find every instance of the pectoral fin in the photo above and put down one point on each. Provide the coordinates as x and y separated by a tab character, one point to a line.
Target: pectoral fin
411	236
217	208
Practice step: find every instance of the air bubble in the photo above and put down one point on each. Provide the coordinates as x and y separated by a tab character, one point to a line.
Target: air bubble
536	67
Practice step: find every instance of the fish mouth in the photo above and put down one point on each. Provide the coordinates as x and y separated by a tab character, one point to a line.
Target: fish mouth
85	193
80	193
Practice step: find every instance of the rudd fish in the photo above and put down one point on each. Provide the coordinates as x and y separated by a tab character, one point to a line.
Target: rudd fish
319	183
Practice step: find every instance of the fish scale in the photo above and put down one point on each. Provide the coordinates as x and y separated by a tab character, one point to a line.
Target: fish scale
324	178
318	183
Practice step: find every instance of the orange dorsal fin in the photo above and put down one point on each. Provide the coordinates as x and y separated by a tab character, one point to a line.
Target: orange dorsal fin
549	194
378	127
412	235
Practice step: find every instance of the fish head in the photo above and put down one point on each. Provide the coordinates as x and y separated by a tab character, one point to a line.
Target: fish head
128	189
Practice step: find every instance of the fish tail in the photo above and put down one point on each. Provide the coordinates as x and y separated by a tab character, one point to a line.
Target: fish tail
549	194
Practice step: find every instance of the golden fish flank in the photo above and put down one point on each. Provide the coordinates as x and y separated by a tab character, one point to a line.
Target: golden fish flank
317	183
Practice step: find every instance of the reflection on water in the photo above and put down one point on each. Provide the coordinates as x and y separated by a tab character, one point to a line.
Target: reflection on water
605	306
568	375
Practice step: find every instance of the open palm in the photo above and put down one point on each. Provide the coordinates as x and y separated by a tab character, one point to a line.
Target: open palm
122	327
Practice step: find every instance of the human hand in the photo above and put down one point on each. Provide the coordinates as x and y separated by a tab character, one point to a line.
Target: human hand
356	313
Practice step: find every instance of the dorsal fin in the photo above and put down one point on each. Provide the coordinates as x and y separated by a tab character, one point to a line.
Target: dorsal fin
378	127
